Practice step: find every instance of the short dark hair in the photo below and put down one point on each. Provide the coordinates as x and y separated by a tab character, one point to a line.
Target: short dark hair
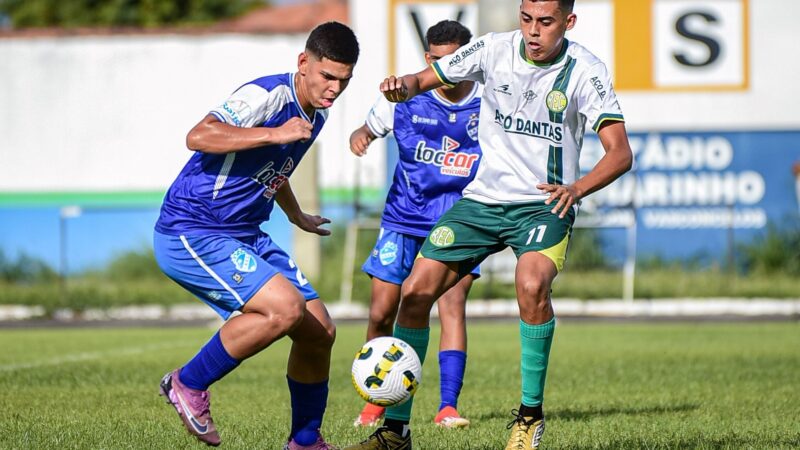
334	41
565	5
448	32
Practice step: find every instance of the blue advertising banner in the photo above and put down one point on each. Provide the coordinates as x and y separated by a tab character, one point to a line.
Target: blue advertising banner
696	195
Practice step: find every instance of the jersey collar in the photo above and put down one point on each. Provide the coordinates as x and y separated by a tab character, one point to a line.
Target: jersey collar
297	101
468	98
558	59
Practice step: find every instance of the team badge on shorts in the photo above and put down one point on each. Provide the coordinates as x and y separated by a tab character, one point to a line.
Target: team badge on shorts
244	262
556	101
388	253
442	236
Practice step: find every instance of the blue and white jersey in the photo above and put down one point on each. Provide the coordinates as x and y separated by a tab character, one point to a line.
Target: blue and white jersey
439	155
233	193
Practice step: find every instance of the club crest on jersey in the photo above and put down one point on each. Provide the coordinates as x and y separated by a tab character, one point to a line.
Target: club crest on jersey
472	126
449	161
244	262
556	101
442	236
388	253
529	96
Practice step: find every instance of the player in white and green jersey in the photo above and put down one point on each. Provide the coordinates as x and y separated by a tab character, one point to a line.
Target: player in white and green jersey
540	92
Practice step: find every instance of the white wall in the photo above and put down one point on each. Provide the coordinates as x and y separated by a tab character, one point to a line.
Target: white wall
111	113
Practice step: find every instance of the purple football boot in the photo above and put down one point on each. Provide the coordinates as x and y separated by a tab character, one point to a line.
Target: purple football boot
193	407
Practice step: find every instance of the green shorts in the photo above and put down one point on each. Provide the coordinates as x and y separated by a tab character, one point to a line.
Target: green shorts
470	231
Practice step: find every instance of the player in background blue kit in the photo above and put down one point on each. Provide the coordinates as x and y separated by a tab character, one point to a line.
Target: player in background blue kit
439	154
208	240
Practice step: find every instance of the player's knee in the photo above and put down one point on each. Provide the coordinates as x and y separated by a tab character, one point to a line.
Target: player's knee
289	315
329	336
381	321
415	291
536	290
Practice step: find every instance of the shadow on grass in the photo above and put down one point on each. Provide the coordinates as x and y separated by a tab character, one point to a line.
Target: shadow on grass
584	414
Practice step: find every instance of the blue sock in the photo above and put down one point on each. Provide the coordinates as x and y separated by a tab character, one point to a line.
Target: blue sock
452	364
308	407
209	365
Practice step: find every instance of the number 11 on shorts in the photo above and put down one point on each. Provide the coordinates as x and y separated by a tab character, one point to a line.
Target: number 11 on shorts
541	229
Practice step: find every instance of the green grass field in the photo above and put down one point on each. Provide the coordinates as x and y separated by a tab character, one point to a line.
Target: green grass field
610	386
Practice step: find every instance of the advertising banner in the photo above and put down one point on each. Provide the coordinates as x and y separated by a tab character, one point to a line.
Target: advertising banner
695	195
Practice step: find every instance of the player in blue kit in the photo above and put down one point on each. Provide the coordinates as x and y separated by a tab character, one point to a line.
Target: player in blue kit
208	240
437	136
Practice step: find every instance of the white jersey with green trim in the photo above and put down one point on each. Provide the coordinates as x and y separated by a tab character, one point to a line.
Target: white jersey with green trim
533	116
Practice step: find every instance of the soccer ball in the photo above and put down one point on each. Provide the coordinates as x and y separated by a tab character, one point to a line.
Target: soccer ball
386	371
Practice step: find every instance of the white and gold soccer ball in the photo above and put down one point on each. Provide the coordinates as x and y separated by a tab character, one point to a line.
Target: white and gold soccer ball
386	371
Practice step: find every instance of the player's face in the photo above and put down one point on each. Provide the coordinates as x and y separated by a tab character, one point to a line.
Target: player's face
437	52
323	79
543	26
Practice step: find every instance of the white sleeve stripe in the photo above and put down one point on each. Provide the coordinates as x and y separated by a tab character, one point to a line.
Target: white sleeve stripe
373	130
209	271
218	116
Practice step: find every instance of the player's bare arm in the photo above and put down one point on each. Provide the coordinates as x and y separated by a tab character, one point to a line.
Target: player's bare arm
360	140
212	136
306	222
405	88
616	161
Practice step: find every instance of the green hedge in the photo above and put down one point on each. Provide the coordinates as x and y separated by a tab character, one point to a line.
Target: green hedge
114	13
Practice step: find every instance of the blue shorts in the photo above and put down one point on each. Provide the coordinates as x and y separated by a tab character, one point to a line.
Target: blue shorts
393	257
223	271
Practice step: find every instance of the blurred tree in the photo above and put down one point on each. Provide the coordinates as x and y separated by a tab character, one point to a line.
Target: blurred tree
778	251
107	13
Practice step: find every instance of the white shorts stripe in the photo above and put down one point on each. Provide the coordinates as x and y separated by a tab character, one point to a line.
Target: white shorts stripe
210	272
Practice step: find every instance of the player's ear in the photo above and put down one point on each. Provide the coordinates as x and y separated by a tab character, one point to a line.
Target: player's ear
302	63
428	59
572	19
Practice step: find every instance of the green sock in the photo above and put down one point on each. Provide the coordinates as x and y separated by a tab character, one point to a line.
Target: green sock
536	341
418	339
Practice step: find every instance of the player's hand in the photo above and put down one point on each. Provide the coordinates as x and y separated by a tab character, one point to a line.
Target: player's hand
293	130
360	140
394	89
312	223
566	196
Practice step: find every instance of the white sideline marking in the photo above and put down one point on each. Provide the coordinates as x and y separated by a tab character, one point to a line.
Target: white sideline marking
88	356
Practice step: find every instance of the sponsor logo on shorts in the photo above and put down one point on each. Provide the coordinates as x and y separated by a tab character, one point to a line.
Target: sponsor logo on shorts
214	295
556	101
244	262
442	236
388	253
238	278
